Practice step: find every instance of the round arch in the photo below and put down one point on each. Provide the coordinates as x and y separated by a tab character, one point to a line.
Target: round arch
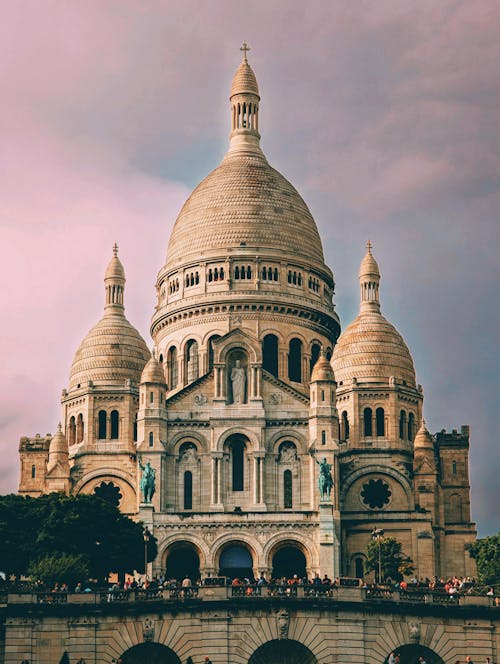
153	653
188	437
240	342
411	652
179	540
280	541
253	442
228	541
377	470
284	435
283	651
181	560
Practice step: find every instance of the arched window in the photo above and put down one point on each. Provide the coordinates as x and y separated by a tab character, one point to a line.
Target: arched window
453	467
79	428
270	354
33	472
151	439
237	272
323	437
172	367
411	426
72	431
115	425
287	489
367	420
191	360
188	490
211	342
295	360
380	421
315	351
358	568
237	454
402	424
345	426
135	428
102	425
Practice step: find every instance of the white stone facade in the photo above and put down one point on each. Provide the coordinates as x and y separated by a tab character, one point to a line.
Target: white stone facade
230	415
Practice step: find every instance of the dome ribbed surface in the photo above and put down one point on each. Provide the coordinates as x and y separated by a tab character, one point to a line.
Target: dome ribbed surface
244	80
245	201
58	444
111	352
115	269
153	372
372	350
369	266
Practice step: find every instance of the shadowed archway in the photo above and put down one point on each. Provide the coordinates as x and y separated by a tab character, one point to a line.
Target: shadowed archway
283	651
412	651
150	653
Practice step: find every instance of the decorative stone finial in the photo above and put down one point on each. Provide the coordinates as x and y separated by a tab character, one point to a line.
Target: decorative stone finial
369	246
115	250
59	427
245	48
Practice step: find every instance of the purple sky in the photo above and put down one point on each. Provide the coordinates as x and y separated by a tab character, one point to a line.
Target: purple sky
384	115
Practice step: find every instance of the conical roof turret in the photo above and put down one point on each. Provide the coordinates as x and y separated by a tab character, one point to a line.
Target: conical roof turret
423	439
58	449
244	80
153	372
322	370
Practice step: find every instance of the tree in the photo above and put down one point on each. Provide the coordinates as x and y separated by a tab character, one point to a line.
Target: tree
486	553
64	569
84	525
393	562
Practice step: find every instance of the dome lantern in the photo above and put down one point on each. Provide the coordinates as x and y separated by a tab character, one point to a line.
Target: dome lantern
114	282
244	100
369	281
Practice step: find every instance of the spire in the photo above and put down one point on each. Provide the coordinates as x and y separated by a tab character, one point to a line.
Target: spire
244	100
369	281
114	283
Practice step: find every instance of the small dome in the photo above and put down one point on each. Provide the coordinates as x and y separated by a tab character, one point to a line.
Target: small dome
369	266
112	352
58	444
244	81
372	350
423	439
153	372
115	268
322	370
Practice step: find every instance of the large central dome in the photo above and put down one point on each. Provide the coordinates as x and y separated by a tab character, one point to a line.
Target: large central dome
245	202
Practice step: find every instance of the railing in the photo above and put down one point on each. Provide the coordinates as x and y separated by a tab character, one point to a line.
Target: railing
308	592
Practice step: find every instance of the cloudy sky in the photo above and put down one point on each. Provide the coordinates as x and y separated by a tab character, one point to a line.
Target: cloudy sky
384	115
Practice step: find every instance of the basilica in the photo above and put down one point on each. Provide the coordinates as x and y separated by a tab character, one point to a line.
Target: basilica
256	438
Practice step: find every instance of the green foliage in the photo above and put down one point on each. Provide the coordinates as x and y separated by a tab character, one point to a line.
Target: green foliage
394	563
65	568
486	552
83	525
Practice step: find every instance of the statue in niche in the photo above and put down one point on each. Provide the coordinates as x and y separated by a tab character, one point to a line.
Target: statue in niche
238	381
288	453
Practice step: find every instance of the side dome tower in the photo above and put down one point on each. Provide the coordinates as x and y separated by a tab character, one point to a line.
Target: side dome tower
244	252
377	391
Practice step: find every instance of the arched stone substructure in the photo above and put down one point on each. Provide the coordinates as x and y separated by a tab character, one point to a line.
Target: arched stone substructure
182	559
282	651
152	653
411	653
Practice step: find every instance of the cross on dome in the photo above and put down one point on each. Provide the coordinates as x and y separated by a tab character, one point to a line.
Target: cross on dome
115	249
245	48
369	246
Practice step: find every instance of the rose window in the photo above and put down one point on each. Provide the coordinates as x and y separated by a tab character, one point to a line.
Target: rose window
109	492
376	494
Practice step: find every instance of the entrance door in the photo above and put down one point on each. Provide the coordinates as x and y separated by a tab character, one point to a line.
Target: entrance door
283	652
182	561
